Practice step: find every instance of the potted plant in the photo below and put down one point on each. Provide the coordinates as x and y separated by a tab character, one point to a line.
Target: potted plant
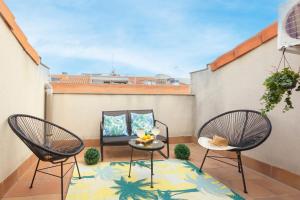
182	152
91	156
280	85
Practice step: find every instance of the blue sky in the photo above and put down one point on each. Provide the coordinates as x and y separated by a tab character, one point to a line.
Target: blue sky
138	37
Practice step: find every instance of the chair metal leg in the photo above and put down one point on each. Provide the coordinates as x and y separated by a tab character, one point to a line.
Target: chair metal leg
151	169
242	171
200	169
168	149
77	167
62	180
101	149
166	156
34	173
239	166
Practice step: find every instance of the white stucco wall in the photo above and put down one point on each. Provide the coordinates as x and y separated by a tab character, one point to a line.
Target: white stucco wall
22	91
239	85
81	113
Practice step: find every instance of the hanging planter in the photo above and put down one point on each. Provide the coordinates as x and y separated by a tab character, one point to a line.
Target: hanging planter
280	85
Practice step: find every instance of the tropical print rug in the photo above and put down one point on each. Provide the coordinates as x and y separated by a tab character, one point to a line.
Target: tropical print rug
172	180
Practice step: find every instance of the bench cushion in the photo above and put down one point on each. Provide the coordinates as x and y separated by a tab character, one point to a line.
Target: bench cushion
141	121
115	125
123	140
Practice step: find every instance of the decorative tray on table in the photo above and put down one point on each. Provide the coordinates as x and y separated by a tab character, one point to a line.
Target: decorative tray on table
146	139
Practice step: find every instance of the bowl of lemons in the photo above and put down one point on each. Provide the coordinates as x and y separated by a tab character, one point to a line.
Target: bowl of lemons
145	138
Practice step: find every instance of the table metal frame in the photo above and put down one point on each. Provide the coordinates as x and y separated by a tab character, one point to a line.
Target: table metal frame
151	160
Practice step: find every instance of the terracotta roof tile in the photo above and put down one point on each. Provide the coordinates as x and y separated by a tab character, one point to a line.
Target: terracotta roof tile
245	47
223	60
269	32
72	79
140	80
9	19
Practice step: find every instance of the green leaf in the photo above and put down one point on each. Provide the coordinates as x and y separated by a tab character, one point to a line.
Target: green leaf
91	156
182	151
279	85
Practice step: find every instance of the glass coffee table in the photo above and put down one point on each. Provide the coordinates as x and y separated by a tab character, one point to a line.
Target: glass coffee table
150	148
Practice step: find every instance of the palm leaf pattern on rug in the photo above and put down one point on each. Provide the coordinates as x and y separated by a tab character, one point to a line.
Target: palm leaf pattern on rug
191	166
169	194
133	190
109	181
141	163
107	173
235	196
119	163
75	179
208	184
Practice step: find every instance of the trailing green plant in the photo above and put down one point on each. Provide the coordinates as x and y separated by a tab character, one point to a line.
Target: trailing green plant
92	156
182	152
280	85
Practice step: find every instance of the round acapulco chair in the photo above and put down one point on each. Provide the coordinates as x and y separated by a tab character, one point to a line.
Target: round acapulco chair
49	142
244	130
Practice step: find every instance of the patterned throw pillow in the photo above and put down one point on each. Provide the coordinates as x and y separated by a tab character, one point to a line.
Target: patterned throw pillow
141	121
115	125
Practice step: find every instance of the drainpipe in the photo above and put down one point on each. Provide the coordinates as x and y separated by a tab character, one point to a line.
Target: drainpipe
48	102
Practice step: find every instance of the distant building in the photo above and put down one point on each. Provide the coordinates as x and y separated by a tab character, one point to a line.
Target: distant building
117	84
114	78
108	79
71	79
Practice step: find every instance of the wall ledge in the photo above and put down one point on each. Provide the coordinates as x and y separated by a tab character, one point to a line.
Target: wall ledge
82	93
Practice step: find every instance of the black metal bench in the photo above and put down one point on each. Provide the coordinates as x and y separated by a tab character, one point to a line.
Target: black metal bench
123	140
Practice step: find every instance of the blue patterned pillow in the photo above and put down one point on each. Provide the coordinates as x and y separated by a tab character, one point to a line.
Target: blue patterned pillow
115	125
141	121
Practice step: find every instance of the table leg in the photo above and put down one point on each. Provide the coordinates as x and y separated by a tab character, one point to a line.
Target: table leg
130	162
151	169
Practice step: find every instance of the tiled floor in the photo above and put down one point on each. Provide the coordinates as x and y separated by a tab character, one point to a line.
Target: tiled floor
260	187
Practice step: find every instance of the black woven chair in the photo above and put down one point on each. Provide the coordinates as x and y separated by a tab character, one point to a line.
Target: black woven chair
49	142
244	129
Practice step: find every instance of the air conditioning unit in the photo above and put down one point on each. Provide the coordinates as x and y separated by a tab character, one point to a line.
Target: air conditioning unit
289	26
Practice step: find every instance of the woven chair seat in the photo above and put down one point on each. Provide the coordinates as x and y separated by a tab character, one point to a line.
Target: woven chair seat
244	129
49	142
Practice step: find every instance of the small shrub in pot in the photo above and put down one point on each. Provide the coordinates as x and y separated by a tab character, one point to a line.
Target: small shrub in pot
91	156
182	152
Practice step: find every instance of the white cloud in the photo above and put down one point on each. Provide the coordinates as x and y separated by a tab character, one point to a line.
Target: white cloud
170	62
177	46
